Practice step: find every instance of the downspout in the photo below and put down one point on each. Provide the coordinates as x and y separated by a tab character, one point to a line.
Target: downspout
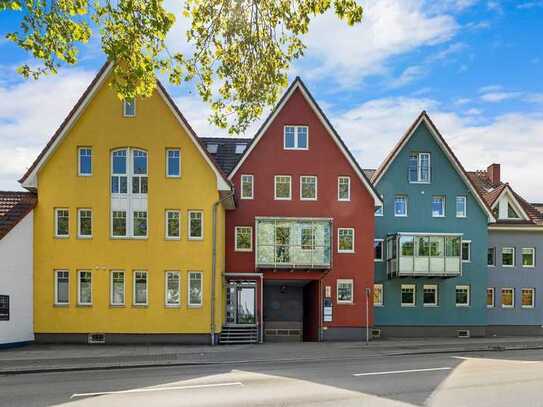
214	263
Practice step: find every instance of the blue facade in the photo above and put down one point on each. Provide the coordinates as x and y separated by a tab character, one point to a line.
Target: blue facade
445	181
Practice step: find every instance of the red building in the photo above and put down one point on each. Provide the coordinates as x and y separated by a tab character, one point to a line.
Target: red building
299	245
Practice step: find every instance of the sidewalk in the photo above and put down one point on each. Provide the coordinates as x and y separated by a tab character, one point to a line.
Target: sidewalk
42	358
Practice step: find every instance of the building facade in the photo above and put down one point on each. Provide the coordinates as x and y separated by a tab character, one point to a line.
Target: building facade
299	260
129	225
431	240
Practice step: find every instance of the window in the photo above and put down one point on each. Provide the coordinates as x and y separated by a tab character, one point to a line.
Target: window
240	148
345	238
528	257
490	298
508	257
84	223
195	289
62	221
344	291
408	295
419	168
379	210
84	288
282	187
243	238
378	295
118	223
4	307
511	213
378	246
119	172
85	161
173	288
508	297
344	188
140	224
62	287
308	188
140	288
400	205
462	295
173	163
296	138
527	297
491	257
308	238
460	206
129	108
196	225
212	148
466	251
117	288
430	298
139	172
173	225
438	206
247	187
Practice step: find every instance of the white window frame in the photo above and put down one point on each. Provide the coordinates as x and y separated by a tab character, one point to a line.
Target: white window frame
533	257
126	235
133	212
79	235
404	215
166	229
166	274
348	281
408	287
512	297
532	305
190	304
56	287
316	187
491	289
379	209
111	291
134	303
382	241
190	237
275	188
125	114
79	150
514	255
463	214
339	179
252	178
435	287
419	168
443	199
236	228
168	163
79	302
56	223
338	240
467	288
469	251
296	143
381	297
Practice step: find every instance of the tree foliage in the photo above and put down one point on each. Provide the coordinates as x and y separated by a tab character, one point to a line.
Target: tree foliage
241	50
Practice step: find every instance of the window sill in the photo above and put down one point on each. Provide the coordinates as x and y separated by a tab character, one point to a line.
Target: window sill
431	305
527	307
508	307
84	305
61	305
462	305
309	199
140	306
84	237
378	260
173	176
62	237
345	302
117	306
84	175
378	305
196	238
346	251
408	305
282	199
195	306
490	306
172	306
400	216
172	238
243	250
246	198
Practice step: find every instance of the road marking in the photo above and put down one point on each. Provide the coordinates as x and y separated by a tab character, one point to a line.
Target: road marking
432	369
195	386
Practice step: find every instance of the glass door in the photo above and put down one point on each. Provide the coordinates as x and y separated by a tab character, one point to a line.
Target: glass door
241	303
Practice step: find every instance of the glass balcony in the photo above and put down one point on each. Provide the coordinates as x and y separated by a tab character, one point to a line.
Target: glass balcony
293	243
424	255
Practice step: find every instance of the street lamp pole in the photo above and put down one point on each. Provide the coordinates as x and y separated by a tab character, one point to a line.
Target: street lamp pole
368	292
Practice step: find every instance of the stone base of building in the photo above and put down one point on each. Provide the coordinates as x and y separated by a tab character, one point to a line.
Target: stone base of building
333	334
124	338
428	331
514	330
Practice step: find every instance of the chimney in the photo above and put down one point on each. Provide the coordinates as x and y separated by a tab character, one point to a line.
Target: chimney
493	172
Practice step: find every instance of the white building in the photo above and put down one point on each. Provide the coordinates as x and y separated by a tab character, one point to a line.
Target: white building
16	265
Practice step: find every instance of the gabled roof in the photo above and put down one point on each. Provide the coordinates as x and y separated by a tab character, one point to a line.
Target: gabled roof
298	84
226	155
14	206
424	118
29	179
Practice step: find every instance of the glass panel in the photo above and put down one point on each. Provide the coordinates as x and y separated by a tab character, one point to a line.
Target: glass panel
140	223
345	291
508	256
302	137
289	137
438	206
528	257
195	287
172	294
196	224
511	213
507	297
282	187
378	245
85	294
282	244
119	223
309	187
344	188
400	206
141	288
247	186
491	256
140	162
62	287
118	288
246	306
462	296
119	162
85	161
412	170
424	167
527	297
430	296
173	163
460	206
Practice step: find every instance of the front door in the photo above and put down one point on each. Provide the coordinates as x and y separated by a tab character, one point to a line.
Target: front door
241	303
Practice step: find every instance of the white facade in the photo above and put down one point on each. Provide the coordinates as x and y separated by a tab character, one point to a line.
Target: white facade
16	281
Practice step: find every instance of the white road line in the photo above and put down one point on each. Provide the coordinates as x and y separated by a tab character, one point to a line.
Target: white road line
195	386
433	369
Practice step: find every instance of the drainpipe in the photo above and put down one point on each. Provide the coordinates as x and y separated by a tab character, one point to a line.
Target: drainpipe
214	263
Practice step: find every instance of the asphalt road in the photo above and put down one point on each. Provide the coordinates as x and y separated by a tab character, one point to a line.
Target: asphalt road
485	379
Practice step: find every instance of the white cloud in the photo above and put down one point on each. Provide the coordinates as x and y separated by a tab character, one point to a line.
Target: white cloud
447	52
530	4
494	97
410	74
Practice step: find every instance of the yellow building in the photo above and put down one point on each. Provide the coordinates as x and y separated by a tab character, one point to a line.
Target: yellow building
130	209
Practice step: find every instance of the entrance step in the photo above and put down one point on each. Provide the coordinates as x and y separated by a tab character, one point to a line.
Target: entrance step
238	335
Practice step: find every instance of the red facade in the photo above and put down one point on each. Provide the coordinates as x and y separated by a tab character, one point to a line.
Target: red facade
325	160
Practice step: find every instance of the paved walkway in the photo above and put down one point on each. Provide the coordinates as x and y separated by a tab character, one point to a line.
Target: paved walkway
38	358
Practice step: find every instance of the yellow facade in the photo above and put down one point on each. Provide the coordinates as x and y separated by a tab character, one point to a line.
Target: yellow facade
102	127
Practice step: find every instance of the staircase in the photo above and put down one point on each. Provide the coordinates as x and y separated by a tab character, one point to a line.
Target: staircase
239	335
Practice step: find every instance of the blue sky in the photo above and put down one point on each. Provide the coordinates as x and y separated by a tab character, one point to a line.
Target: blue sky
475	66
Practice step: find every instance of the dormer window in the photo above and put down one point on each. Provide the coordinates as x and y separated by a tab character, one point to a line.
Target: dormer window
240	148
296	138
212	148
129	108
511	213
419	168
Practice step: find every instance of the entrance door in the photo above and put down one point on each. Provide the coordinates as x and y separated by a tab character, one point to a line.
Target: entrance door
241	303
